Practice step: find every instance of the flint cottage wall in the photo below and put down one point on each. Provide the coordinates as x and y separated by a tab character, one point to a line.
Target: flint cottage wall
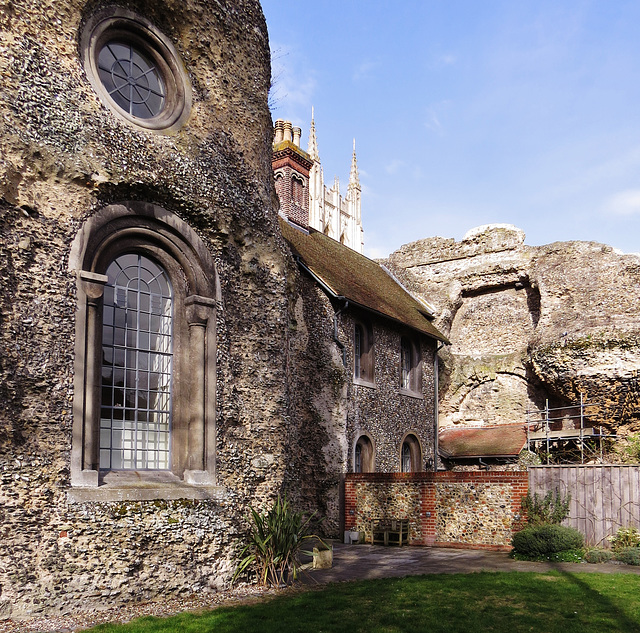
471	510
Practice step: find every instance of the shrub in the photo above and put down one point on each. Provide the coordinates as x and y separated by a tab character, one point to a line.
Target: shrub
629	555
632	449
625	537
598	555
547	510
541	540
275	544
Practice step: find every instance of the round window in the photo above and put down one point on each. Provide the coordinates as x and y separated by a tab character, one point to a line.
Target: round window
135	70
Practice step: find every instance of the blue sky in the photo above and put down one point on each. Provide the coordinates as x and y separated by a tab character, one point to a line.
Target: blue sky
469	112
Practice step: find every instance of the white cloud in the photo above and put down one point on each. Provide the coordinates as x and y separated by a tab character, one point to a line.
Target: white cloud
623	203
293	83
364	70
433	122
394	166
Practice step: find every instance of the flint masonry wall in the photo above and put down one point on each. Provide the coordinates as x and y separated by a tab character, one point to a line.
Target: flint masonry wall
382	411
445	509
64	157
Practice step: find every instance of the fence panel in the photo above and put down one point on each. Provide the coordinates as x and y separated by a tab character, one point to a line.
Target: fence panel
603	497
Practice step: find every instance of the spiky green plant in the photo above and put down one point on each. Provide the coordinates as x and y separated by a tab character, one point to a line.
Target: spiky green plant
275	544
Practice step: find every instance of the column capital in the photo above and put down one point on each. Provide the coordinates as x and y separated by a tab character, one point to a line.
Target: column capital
199	309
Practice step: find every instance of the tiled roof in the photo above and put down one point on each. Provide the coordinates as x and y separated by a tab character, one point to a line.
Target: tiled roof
357	278
487	441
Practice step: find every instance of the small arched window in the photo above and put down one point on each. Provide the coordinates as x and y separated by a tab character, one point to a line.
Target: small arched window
363	456
297	191
410	455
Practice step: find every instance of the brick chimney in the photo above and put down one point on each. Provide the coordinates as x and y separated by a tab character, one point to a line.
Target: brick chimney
291	167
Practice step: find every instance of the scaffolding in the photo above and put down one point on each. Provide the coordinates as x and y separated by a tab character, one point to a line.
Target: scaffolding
572	442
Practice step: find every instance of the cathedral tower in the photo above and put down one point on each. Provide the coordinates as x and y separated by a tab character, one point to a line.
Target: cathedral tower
304	198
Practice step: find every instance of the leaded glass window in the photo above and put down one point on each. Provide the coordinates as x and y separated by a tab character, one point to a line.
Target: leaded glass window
357	467
137	358
131	79
406	458
405	362
357	350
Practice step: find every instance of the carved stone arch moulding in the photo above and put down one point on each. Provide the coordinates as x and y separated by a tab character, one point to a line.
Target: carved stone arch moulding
153	232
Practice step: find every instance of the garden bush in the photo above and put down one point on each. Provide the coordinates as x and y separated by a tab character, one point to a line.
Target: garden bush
552	508
541	540
598	555
625	537
629	555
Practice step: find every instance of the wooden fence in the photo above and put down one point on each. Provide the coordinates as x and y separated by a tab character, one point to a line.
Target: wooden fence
603	498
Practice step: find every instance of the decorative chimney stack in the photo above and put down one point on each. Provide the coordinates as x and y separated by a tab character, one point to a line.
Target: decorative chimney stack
304	198
291	172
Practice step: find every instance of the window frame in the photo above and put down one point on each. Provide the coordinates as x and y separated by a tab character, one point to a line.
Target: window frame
135	227
367	452
410	367
116	24
411	441
364	362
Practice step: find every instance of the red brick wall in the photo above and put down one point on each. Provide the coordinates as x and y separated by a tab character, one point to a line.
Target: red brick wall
292	187
477	510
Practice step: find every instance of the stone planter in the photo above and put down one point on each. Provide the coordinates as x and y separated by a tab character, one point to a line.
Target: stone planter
322	558
354	536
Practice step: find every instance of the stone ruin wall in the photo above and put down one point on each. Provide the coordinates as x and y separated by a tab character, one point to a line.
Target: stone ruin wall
528	324
64	157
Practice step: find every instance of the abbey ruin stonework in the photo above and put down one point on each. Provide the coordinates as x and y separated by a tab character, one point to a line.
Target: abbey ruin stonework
530	323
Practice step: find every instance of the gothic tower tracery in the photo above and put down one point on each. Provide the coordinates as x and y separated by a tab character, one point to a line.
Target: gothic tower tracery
304	197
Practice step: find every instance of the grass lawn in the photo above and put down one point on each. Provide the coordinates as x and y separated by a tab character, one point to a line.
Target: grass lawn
470	603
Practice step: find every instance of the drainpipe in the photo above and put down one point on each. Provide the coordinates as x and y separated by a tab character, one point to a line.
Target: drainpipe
439	346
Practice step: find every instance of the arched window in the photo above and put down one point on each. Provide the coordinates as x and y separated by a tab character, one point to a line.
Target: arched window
410	455
144	386
137	366
297	191
410	376
363	352
363	456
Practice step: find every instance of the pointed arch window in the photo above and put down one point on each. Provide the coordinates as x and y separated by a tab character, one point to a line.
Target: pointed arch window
363	455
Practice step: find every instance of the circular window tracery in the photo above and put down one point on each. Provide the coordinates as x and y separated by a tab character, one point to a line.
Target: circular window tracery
135	70
131	79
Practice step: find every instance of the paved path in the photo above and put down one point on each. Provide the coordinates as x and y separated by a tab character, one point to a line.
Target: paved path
356	562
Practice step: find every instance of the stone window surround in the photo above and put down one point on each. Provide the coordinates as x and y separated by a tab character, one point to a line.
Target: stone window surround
415	446
368	455
151	230
118	23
